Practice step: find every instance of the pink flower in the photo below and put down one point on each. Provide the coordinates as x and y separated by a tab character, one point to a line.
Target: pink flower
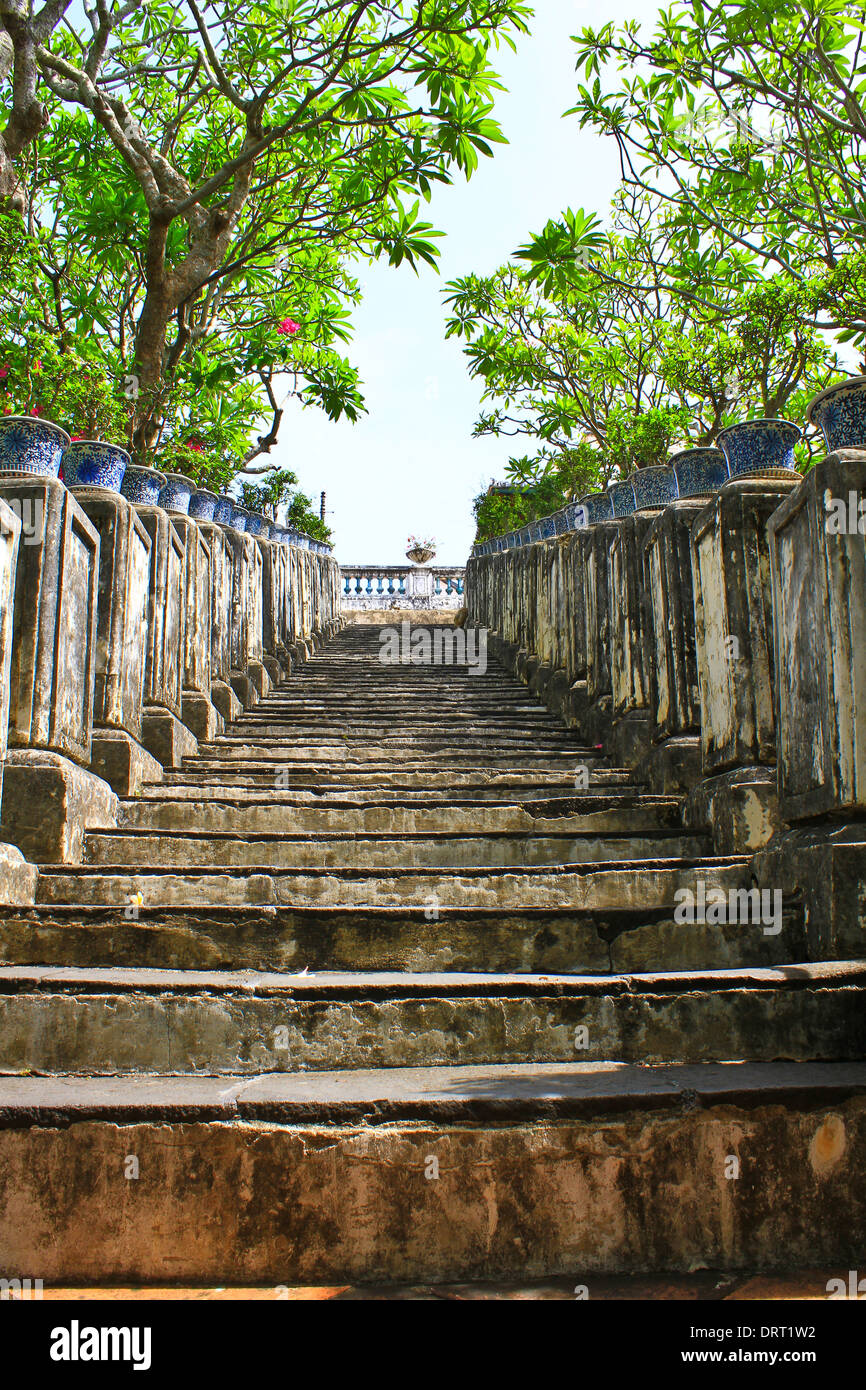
73	437
37	365
287	326
4	372
7	410
36	410
196	448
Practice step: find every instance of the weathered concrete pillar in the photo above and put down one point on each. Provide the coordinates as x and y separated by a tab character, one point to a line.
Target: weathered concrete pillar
17	877
164	733
274	606
200	714
50	795
630	617
221	566
737	797
818	562
595	722
673	763
118	754
249	679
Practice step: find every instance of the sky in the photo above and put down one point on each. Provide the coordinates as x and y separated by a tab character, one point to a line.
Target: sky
410	466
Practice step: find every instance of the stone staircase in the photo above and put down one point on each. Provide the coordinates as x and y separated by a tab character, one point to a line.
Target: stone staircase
386	983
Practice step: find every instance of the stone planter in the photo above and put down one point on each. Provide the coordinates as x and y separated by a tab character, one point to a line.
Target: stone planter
760	447
654	488
840	412
31	445
700	472
622	498
203	504
420	554
175	496
92	463
142	485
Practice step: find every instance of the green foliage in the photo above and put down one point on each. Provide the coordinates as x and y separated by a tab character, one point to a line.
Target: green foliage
42	378
279	489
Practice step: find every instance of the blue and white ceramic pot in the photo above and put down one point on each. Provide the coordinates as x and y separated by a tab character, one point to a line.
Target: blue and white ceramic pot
240	517
256	525
700	472
222	512
758	446
560	522
840	412
203	504
31	445
591	508
175	496
525	535
142	485
548	527
90	463
654	487
622	498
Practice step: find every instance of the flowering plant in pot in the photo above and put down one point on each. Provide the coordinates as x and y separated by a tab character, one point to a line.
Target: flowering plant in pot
419	550
56	404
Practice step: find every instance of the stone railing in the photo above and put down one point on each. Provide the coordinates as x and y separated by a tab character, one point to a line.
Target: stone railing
129	634
384	587
716	645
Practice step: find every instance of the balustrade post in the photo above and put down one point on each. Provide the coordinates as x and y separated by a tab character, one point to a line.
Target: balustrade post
818	568
17	877
50	794
737	796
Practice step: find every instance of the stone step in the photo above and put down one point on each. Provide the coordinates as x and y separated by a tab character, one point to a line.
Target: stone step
187	849
614	816
67	1021
364	757
651	883
433	789
411	938
411	1174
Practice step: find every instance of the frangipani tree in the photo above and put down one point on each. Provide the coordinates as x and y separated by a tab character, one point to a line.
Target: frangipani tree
254	148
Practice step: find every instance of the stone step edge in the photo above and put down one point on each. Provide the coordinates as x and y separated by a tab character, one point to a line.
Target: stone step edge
390	984
399	837
495	1093
399	871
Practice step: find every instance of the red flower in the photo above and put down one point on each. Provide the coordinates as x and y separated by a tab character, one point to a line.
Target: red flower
4	372
287	327
36	410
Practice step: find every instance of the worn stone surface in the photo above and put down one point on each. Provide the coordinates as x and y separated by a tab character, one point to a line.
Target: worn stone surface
123	762
674	762
314	1196
122	603
734	623
198	594
201	716
49	803
167	738
819	597
225	701
221	568
166	620
53	664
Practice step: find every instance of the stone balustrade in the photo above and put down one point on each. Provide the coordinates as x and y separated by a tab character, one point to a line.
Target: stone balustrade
401	587
129	633
716	646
